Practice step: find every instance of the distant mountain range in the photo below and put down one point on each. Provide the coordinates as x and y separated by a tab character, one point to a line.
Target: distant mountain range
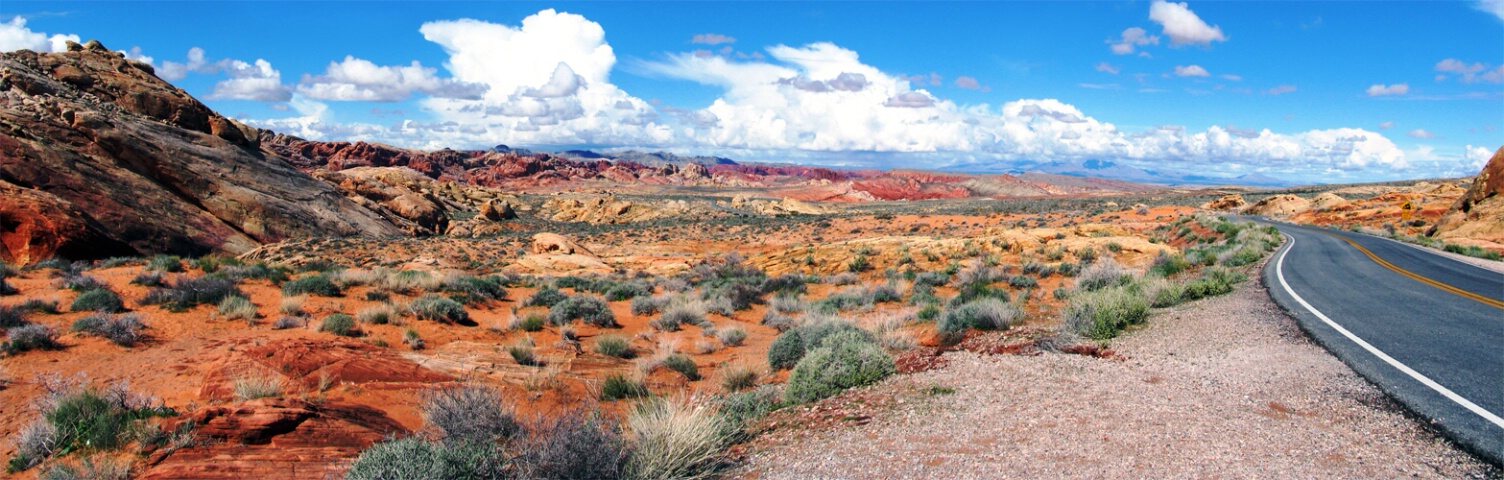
1116	171
651	159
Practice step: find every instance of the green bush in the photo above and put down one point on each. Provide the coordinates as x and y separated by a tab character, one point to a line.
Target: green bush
744	408
827	371
613	347
683	364
786	350
627	291
533	323
587	308
1103	274
98	300
434	308
645	306
339	324
617	387
677	315
413	458
470	290
165	263
1101	314
1167	265
191	292
320	285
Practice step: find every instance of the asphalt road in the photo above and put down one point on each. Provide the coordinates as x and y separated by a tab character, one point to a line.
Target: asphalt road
1439	351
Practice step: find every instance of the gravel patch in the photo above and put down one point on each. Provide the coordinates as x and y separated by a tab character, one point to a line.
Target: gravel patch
1227	387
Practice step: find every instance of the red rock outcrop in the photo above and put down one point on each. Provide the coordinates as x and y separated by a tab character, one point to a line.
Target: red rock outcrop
36	225
1479	214
150	167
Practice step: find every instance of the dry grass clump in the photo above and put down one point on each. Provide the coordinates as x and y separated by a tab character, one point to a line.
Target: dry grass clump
236	307
293	305
251	386
675	438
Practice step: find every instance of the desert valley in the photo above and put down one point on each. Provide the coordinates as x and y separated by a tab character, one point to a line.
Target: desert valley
186	296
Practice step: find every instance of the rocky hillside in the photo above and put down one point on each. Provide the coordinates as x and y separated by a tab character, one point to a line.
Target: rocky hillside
1479	213
104	158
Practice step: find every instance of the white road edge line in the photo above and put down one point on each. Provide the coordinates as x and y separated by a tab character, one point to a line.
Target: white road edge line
1279	271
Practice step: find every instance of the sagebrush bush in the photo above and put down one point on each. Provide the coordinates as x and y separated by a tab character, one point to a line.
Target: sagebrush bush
692	313
545	297
83	283
522	353
645	305
31	337
251	386
286	323
11	317
165	263
786	350
587	308
237	307
788	283
339	324
613	347
573	445
731	337
148	279
123	330
683	364
1101	314
321	285
617	387
470	413
532	323
34	443
826	371
414	458
1102	274
377	315
778	321
676	439
627	291
1167	265
190	292
98	300
469	289
786	304
435	308
743	408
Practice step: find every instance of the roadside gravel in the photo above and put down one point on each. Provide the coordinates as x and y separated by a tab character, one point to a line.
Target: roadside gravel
1222	388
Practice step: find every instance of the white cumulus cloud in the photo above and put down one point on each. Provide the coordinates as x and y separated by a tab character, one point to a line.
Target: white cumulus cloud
1191	71
1381	90
1421	133
258	81
356	79
1495	7
1477	157
1132	38
15	36
1182	25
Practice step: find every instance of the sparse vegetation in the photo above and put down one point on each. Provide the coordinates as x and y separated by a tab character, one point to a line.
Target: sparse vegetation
586	308
435	308
190	292
319	285
237	308
123	330
339	324
98	300
251	386
613	347
617	387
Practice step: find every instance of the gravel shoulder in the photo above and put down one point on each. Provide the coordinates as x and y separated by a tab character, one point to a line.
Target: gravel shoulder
1227	387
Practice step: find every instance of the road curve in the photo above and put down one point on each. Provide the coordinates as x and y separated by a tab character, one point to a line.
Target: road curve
1427	329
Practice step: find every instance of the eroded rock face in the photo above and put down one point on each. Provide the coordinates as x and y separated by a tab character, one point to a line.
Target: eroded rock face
1228	202
36	225
149	166
1479	214
555	244
1279	205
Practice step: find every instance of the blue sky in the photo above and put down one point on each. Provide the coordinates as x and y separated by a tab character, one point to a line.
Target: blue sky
1302	91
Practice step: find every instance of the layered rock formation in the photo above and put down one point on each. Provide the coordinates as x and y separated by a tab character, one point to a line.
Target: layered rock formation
136	165
1479	213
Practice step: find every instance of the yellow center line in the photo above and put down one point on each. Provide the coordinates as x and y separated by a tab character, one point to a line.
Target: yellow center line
1417	277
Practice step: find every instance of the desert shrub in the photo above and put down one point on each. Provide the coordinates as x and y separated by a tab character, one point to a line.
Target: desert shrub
522	353
885	293
339	324
828	370
617	387
286	323
1161	292
83	283
1167	265
251	386
574	445
377	315
190	292
818	334
470	413
292	305
98	300
434	308
1103	274
786	350
1213	281
212	263
412	281
532	323
414	458
276	275
984	314
778	321
786	304
741	409
737	377
676	439
682	364
971	292
1021	282
843	279
586	308
11	317
1242	256
5	287
929	312
677	315
165	263
933	279
31	337
854	298
414	341
34	443
1101	314
470	290
788	284
237	307
320	285
720	305
645	305
731	336
123	330
98	467
628	290
148	279
546	297
87	419
613	347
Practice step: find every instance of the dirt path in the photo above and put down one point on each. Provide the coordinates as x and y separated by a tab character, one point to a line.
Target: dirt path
1222	388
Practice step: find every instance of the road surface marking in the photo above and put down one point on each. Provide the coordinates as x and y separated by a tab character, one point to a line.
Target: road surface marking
1417	277
1279	271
